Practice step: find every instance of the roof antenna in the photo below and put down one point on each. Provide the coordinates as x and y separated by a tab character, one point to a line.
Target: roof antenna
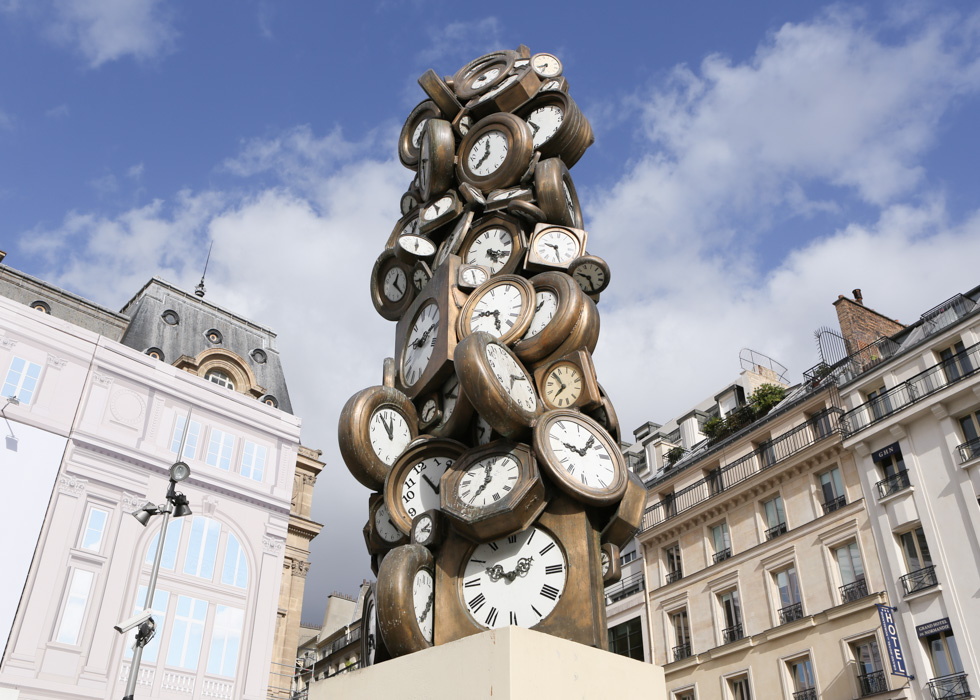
199	289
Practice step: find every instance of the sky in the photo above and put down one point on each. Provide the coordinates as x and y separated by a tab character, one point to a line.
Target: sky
752	162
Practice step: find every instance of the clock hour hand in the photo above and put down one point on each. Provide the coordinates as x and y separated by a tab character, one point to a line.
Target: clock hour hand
552	245
534	127
486	480
394	284
428	607
495	572
435	487
574	449
495	255
523	566
538	307
388	426
486	154
588	444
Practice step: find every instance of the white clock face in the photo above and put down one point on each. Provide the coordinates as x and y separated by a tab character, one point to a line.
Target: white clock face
410	228
556	246
389	434
605	563
485	79
569	201
450	395
512	376
497	310
440	206
500	88
395	284
489	480
545	306
551	85
384	526
544	122
563	386
423	529
589	277
420	490
488	153
492	249
581	454
428	411
420	343
420	278
417	134
546	65
464	125
516	580
483	431
423	600
372	627
474	276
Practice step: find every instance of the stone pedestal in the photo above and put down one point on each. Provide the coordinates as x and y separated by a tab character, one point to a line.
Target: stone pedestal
506	664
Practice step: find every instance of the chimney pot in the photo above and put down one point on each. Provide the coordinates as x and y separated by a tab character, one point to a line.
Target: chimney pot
857	297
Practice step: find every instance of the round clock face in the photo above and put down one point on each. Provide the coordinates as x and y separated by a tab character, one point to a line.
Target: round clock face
589	276
474	276
423	599
395	284
605	562
420	278
544	122
389	434
581	454
417	134
428	412
545	306
516	580
512	376
488	153
417	245
484	79
464	124
556	246
483	431
384	527
410	228
488	480
436	208
563	385
420	343
450	397
508	194
546	65
551	85
492	249
423	529
420	490
500	88
372	629
569	200
497	311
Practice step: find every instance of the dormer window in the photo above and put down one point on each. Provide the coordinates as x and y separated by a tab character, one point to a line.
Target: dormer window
214	336
220	378
170	317
41	306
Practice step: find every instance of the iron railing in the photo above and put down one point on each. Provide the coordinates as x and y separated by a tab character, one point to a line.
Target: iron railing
919	580
722	555
625	587
851	366
853	591
732	634
950	687
835	504
955	369
341	642
790	613
947	313
718	480
969	450
805	694
675	575
682	651
775	531
893	484
872	683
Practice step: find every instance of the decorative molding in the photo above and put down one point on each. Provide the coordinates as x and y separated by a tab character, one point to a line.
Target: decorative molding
7	342
300	568
127	406
131	501
939	411
103	379
208	505
71	485
272	546
57	362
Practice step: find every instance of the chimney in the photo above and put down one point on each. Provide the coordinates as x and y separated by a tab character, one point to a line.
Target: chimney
857	297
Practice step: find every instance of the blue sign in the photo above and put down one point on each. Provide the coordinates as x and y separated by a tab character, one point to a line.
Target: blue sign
885	452
892	643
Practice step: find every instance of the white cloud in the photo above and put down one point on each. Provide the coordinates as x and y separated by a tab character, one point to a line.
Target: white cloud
459	42
58	112
135	172
6	121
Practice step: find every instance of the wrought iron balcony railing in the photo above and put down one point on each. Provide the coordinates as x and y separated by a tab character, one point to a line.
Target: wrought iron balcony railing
954	369
674	576
625	587
805	694
969	450
722	555
872	683
951	687
835	504
893	484
682	651
775	531
773	452
853	591
919	580
732	634
790	613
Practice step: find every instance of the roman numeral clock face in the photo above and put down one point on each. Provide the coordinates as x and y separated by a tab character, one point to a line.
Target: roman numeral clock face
516	580
420	343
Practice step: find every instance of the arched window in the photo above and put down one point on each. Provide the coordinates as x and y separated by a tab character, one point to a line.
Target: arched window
220	378
202	547
235	569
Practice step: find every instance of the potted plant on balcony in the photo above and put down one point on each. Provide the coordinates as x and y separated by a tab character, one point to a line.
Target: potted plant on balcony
765	397
674	455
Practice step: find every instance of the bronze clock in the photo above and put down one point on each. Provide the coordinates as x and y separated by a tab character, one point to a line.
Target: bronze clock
495	152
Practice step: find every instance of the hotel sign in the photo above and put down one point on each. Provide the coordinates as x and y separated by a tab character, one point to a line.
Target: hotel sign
885	452
892	643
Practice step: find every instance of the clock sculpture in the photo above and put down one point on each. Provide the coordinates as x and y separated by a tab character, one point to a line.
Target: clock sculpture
499	494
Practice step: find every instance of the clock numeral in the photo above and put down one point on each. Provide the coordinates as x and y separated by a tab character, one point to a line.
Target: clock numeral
477	603
479	561
512	539
604	456
492	617
554	569
496	496
585	479
533	533
494	546
472	583
549	592
513	618
506	487
547	548
536	611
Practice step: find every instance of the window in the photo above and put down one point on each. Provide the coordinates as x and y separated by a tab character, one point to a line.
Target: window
722	542
956	362
871	675
235	569
159	610
672	561
627	558
226	639
731	616
214	336
775	517
220	378
682	634
684	695
833	490
970	424
880	404
190	447
943	654
822	424
918	561
94	529
219	449
739	688
170	545
74	611
41	306
253	461
170	317
788	589
851	572
21	380
801	672
626	639
893	469
202	546
186	633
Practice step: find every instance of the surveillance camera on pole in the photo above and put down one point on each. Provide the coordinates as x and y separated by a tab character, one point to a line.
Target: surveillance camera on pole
136	620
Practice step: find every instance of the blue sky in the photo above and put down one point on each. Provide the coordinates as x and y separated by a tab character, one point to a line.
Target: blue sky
752	162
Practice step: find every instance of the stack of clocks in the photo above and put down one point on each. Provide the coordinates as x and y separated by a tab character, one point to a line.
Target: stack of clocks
499	494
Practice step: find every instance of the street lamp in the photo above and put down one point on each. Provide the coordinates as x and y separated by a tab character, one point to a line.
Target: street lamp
175	504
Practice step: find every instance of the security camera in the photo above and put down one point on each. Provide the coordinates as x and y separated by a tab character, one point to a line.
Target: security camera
135	621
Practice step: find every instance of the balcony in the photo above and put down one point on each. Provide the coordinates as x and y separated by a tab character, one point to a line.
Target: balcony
722	555
893	484
790	613
732	634
674	576
682	651
345	669
955	369
805	694
773	452
919	580
775	531
872	683
836	504
624	588
969	450
950	687
854	591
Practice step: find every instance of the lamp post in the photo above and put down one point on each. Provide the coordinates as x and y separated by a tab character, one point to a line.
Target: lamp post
175	504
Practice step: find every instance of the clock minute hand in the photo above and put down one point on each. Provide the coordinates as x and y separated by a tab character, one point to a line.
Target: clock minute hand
486	154
435	487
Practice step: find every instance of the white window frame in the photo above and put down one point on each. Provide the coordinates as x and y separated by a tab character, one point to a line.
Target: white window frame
78	591
18	386
95	547
224	632
220	447
190	621
248	466
240	566
193	437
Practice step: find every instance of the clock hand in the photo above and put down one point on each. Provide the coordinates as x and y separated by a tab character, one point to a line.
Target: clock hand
534	127
574	449
428	607
395	285
523	566
538	307
495	255
552	245
495	572
486	154
496	319
388	426
435	487
563	387
486	480
588	444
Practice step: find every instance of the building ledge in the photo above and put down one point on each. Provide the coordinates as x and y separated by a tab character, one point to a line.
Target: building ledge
924	593
898	495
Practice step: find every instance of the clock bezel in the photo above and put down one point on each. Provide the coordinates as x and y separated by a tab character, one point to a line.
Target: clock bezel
581	359
526	290
397	616
551	176
439	150
518	241
519	152
568	316
534	261
386	308
416	453
588	259
408	153
354	431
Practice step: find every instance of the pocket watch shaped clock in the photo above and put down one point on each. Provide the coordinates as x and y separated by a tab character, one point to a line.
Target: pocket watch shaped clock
391	286
380	532
506	96
429	529
489	73
554	247
412	486
495	152
556	194
493	491
478	65
591	272
568	382
559	308
410	139
407	225
406	599
450	246
409	201
472	276
439	212
498	386
440	93
606	416
525	211
546	65
412	247
376	424
495	242
498	199
501	306
429	411
612	570
580	457
421	274
436	158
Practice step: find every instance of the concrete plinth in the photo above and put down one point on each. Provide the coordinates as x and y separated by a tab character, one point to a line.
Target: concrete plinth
506	664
